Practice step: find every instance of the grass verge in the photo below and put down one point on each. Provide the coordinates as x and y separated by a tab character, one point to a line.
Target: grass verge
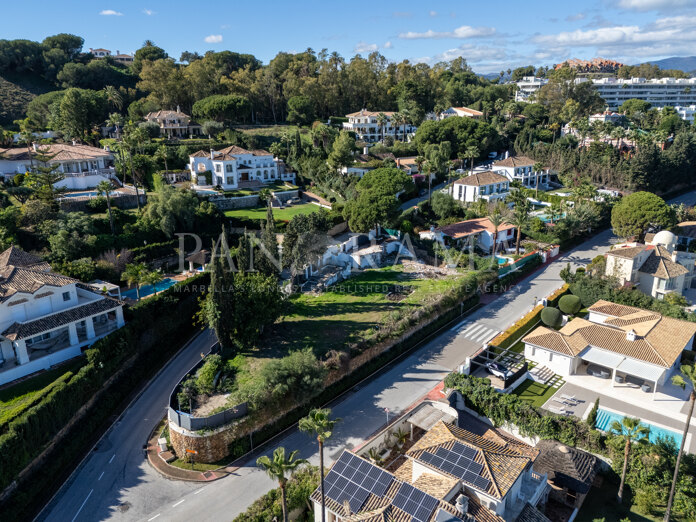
535	393
282	214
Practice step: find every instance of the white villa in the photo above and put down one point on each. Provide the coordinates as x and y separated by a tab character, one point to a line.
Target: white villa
125	59
686	112
528	87
81	165
234	166
521	168
364	124
656	269
46	318
481	230
462	112
620	342
449	474
174	124
480	185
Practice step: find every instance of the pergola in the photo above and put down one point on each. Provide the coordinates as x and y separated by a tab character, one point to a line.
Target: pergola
427	417
202	257
626	365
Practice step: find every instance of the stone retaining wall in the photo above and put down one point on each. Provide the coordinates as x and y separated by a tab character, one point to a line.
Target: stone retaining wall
211	446
224	203
123	202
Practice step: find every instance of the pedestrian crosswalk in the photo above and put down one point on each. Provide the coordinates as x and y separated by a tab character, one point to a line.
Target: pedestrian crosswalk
477	332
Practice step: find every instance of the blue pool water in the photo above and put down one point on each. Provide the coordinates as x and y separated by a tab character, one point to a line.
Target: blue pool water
502	260
146	290
90	194
605	418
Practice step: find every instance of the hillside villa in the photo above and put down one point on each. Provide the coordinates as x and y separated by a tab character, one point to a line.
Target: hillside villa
174	124
82	166
364	124
488	186
481	230
234	167
521	168
462	112
622	343
47	318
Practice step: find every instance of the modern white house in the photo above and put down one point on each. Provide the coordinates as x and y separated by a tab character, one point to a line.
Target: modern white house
521	168
82	166
480	230
488	186
234	166
686	112
620	342
462	112
47	318
449	474
174	124
656	269
606	117
528	87
364	124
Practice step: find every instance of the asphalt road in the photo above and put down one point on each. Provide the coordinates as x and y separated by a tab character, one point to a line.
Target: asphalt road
116	483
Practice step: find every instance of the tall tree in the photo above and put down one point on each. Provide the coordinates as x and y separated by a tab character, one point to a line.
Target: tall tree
104	188
44	176
268	260
320	424
634	214
686	378
632	431
135	274
497	218
280	468
519	219
537	168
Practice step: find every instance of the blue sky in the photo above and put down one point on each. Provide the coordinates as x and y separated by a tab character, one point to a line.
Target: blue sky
492	35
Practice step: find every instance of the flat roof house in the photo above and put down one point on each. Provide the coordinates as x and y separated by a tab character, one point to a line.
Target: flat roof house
616	341
488	186
364	124
47	318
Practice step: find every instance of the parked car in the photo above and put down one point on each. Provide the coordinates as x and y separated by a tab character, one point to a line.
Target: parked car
498	370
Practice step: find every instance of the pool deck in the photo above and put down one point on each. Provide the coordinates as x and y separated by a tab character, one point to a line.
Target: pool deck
646	409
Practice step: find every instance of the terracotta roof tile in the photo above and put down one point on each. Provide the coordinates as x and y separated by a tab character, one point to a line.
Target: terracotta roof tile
515	161
56	152
481	178
471	226
531	514
659	264
627	252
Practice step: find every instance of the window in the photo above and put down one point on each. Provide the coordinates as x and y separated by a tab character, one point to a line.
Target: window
550	356
66	296
218	168
533	351
228	168
230	181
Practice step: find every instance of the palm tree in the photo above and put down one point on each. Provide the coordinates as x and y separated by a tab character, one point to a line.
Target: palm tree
537	168
161	154
152	277
686	378
113	97
280	468
556	209
319	423
104	187
471	153
497	218
419	163
498	105
632	431
519	219
382	120
397	119
134	274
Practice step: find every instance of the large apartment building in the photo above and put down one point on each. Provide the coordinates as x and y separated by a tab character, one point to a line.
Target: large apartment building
366	128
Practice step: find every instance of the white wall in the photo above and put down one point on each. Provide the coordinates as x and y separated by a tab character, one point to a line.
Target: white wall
81	182
560	364
34	308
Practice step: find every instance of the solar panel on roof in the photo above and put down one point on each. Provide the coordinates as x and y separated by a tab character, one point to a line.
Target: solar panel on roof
461	449
482	483
415	502
475	467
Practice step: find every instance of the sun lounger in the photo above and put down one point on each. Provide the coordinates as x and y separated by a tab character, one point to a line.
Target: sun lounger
569	398
559	411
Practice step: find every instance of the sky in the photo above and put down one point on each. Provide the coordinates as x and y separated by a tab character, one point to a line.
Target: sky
492	35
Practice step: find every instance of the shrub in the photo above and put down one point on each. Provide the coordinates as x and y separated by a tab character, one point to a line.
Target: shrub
206	375
97	205
592	416
551	317
570	304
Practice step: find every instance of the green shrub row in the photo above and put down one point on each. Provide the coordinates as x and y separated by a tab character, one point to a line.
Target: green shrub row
156	328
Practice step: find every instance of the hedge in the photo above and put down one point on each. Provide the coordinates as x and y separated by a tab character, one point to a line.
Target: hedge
155	329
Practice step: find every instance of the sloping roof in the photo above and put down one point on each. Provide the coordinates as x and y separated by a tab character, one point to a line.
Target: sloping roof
687	229
234	150
467	110
56	152
481	178
364	112
566	467
627	252
472	226
502	463
200	154
659	264
660	340
166	114
515	161
531	514
15	256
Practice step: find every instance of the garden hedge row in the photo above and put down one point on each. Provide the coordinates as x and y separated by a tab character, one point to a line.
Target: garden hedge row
155	329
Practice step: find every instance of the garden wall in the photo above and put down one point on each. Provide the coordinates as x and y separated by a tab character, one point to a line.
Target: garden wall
123	202
231	203
211	446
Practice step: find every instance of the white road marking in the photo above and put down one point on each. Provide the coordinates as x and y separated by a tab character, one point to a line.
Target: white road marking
112	458
199	490
83	505
153	518
100	476
182	500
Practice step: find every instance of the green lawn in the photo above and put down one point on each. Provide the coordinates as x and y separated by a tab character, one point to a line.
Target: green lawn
14	399
601	503
197	466
283	214
535	393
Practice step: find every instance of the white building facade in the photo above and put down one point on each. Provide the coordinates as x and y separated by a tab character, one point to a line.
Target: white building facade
528	87
488	186
364	124
462	112
686	112
234	166
46	318
659	92
521	168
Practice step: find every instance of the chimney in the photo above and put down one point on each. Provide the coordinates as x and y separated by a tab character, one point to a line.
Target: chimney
366	150
462	504
177	109
212	154
74	143
398	162
118	52
35	146
631	335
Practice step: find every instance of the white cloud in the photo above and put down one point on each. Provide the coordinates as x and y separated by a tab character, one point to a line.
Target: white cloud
433	13
465	31
654	5
575	17
213	38
482	58
148	12
364	47
110	12
387	45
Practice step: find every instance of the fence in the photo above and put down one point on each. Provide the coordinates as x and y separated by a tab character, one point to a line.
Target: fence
192	423
517	264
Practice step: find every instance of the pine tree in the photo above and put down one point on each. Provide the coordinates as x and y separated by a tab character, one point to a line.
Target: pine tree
218	304
43	176
265	260
245	261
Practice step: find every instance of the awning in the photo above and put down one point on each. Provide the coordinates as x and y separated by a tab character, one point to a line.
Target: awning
428	416
646	371
601	357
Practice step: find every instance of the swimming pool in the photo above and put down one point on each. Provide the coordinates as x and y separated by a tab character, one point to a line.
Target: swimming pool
88	194
503	260
605	418
146	290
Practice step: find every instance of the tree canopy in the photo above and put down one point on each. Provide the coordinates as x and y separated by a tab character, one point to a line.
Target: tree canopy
635	213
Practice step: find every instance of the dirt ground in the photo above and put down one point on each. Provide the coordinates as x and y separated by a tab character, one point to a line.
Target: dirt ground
207	404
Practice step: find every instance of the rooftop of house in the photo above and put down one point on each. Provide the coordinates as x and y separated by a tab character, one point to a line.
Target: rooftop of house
56	152
515	161
365	112
21	272
658	340
481	178
230	153
687	229
165	114
566	467
467	110
658	263
472	226
531	514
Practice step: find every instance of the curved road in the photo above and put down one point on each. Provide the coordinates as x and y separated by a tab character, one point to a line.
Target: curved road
116	483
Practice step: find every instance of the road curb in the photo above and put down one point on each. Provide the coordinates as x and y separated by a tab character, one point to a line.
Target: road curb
71	477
